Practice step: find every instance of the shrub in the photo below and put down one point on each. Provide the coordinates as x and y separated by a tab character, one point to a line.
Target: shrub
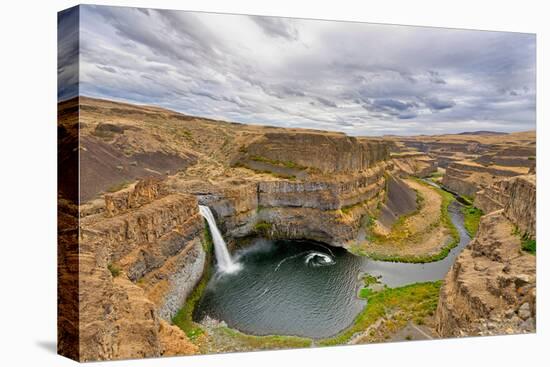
262	228
114	269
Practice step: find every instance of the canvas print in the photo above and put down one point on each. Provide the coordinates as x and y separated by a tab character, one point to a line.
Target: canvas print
233	183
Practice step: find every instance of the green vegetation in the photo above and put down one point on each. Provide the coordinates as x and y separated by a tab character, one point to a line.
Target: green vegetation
400	233
467	199
367	291
411	302
399	230
253	342
262	228
369	280
472	216
529	245
184	317
114	269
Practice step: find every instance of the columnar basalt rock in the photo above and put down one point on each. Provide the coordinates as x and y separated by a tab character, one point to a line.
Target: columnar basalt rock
325	152
135	258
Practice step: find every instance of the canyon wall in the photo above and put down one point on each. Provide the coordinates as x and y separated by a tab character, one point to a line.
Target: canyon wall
323	151
338	180
491	288
517	197
467	178
414	164
138	262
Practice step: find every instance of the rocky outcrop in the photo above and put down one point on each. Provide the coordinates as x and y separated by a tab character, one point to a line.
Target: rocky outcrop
400	200
414	164
322	151
491	288
517	197
136	195
467	178
321	209
138	262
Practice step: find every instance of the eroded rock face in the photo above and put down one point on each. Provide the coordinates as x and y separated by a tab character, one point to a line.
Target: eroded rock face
309	209
138	262
517	196
143	192
326	152
467	178
491	288
414	164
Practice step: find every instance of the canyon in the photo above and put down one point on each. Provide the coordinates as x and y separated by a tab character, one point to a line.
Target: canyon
134	248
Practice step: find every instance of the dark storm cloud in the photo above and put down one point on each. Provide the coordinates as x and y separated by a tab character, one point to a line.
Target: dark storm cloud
315	74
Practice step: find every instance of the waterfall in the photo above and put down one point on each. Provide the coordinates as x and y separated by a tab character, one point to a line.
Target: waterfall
225	263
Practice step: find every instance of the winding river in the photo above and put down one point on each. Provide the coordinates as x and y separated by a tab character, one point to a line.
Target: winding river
306	288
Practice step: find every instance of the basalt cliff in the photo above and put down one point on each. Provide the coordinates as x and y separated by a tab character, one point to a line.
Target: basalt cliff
491	288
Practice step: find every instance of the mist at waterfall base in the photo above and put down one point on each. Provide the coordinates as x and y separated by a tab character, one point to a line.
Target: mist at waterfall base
305	288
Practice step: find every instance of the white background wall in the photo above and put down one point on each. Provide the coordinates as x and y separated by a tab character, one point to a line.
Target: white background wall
28	181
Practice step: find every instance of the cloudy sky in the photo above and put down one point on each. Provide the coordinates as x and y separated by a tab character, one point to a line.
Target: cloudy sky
362	79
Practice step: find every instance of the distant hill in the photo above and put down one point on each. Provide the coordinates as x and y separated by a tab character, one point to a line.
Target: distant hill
482	132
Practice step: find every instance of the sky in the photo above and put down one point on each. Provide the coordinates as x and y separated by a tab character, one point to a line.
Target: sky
359	78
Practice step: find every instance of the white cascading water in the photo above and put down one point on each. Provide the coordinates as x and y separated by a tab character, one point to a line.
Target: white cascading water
225	263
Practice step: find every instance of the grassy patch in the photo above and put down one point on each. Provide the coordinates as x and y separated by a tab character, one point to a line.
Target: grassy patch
467	199
399	233
114	269
253	342
366	293
471	219
184	317
369	281
529	245
414	302
262	228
